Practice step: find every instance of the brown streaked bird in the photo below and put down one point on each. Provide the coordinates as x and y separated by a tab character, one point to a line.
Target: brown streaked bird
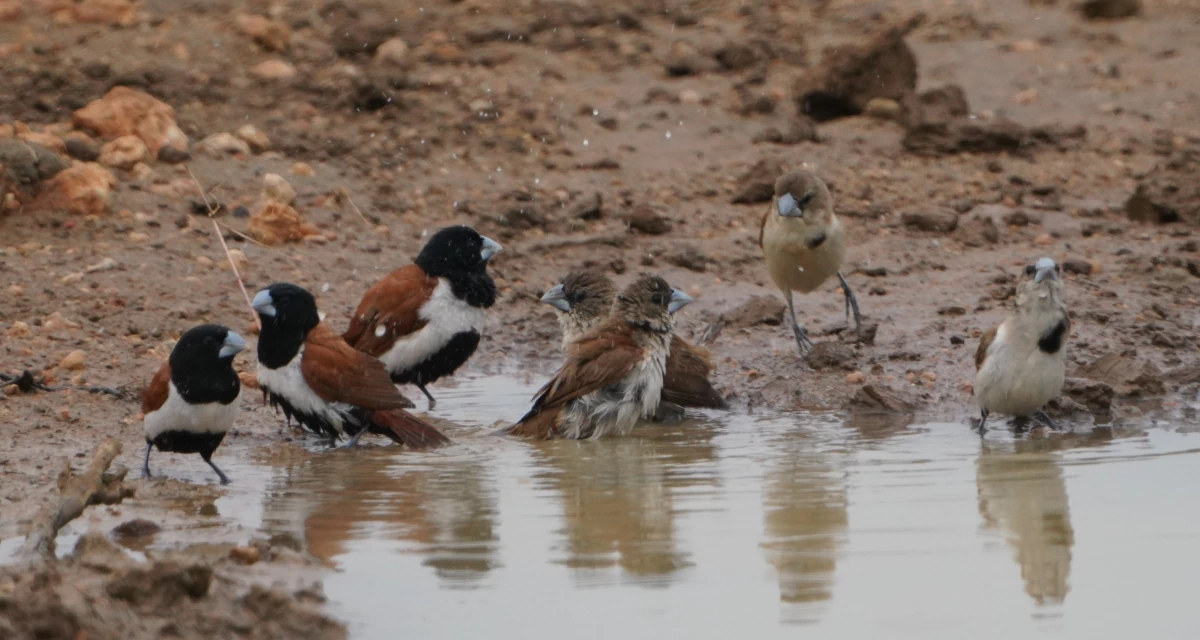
613	375
424	320
192	401
308	371
1021	363
804	244
584	298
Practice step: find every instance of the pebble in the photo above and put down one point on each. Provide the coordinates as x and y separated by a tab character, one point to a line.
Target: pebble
106	264
124	152
138	237
224	143
857	377
56	321
269	34
690	96
884	109
274	70
646	219
393	51
277	189
245	555
204	261
1044	240
239	260
258	141
302	169
73	361
19	330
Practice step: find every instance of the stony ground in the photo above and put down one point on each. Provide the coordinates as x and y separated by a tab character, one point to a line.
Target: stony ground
623	136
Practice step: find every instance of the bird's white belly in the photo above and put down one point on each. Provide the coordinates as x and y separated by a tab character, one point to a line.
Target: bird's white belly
445	316
288	383
616	410
177	415
1019	383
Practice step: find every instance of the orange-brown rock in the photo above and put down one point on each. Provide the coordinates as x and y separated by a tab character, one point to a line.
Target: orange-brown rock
124	152
276	223
124	111
269	34
85	189
105	12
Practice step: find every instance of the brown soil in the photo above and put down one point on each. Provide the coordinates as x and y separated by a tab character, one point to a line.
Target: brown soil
616	135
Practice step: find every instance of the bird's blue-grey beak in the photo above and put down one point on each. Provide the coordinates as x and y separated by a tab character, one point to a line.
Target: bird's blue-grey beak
263	303
490	248
233	345
557	298
678	301
1046	269
789	207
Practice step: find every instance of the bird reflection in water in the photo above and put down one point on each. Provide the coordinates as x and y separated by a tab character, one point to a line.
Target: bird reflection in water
804	498
619	496
445	507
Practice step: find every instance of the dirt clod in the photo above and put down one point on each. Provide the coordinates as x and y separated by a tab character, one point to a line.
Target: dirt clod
1128	377
1169	193
939	220
648	220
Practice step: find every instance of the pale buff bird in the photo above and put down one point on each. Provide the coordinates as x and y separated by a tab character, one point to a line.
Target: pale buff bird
1021	364
804	243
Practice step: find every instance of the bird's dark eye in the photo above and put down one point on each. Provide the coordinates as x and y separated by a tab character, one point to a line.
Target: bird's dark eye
804	200
658	299
1030	270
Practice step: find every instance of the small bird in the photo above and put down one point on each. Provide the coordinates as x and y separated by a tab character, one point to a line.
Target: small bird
804	243
584	298
1021	364
613	375
424	320
192	401
308	371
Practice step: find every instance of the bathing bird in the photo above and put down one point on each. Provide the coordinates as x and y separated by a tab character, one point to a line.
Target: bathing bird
1021	363
613	374
584	298
424	320
804	243
192	401
308	371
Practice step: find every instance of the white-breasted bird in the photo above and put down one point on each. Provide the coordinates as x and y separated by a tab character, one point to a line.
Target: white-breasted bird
804	244
1021	364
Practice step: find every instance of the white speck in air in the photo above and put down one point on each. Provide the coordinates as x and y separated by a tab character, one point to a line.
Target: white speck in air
668	135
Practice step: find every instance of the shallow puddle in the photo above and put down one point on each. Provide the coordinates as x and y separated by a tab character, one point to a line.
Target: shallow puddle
737	525
742	525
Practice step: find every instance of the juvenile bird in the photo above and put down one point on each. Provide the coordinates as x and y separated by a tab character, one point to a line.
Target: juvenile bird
1021	364
192	400
309	372
424	320
584	298
804	243
613	375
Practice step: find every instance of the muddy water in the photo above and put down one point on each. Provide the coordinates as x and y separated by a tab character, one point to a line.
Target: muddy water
749	525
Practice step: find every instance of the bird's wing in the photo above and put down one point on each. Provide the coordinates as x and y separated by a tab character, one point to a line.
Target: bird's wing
390	310
338	373
686	379
985	341
155	395
597	360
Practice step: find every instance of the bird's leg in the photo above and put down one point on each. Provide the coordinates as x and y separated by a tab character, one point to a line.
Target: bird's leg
1041	415
800	332
354	439
983	416
432	401
668	413
146	462
220	474
851	305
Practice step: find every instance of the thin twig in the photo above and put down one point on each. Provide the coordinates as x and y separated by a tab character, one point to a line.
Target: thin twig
346	193
228	256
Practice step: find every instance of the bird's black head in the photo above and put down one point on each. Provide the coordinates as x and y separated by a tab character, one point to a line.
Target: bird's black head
287	312
454	250
202	364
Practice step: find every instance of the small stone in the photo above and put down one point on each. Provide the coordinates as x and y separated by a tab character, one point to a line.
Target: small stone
138	237
271	35
73	361
939	220
84	189
138	528
124	111
884	109
277	189
56	322
648	220
19	330
276	223
81	149
258	141
690	258
857	377
106	264
302	169
1044	240
204	261
239	260
831	355
690	96
142	172
223	144
172	155
274	70
393	51
245	555
1110	9
124	152
588	207
1078	266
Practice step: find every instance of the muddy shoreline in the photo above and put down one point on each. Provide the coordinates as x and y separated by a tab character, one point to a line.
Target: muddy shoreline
627	138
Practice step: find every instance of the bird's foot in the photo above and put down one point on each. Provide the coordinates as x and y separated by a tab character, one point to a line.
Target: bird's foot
1041	415
851	305
668	413
802	340
432	400
982	426
220	474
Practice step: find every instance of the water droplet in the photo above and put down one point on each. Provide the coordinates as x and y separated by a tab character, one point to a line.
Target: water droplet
668	135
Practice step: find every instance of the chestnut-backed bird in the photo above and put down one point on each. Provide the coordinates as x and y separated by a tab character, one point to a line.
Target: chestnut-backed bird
424	320
613	374
192	401
1021	364
308	371
804	244
584	298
